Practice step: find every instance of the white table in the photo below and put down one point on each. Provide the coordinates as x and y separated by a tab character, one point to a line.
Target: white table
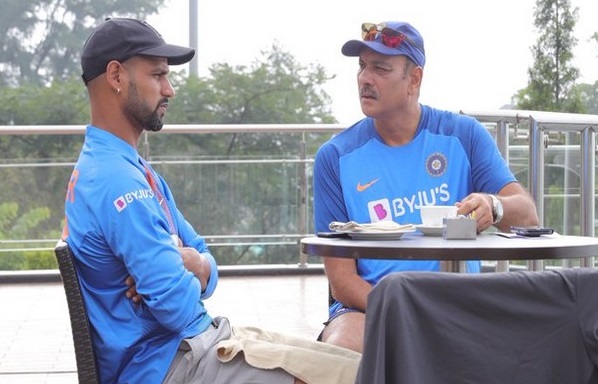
453	253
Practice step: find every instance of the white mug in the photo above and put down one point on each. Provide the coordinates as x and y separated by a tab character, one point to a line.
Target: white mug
432	215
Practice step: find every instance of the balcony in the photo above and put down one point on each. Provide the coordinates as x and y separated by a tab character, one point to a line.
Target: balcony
252	206
35	335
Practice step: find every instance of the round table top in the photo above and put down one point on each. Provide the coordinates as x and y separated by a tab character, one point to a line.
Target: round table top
486	246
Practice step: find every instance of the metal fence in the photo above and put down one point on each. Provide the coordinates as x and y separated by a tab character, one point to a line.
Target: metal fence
253	209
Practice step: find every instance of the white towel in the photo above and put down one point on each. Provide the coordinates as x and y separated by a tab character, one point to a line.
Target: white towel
380	226
314	362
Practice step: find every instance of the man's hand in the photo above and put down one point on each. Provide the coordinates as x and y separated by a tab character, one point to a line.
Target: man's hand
196	264
193	261
478	206
132	291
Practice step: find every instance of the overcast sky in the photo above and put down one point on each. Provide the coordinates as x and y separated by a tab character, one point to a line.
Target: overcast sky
477	52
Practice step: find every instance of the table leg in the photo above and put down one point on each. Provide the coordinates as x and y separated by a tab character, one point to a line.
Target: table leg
457	266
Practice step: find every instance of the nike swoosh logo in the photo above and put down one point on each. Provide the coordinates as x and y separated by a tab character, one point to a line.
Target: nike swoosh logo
361	188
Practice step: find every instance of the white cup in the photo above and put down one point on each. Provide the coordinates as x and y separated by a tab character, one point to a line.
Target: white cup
432	215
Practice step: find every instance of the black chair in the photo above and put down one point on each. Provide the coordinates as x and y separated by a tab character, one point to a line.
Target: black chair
87	370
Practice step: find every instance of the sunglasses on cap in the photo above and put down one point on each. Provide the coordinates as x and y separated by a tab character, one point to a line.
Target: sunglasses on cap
388	36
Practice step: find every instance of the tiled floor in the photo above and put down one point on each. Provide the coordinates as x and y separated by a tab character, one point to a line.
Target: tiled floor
35	336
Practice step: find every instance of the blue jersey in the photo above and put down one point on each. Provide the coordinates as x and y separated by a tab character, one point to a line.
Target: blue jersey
358	177
116	228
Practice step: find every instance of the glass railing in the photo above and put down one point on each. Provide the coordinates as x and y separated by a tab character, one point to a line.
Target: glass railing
247	188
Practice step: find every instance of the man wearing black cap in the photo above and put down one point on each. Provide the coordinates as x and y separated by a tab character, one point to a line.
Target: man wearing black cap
144	270
402	156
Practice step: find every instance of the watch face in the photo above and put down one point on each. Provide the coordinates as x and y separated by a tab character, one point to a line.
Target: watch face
497	211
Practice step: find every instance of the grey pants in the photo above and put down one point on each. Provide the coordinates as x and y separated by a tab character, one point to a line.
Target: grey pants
196	362
513	327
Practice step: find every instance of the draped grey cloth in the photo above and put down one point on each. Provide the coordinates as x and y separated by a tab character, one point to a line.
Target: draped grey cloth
507	328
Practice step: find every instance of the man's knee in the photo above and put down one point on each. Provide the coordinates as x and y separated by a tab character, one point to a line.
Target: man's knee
346	331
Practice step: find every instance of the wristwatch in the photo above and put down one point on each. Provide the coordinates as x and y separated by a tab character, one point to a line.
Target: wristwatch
497	211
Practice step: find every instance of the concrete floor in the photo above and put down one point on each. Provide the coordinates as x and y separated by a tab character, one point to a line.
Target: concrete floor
35	337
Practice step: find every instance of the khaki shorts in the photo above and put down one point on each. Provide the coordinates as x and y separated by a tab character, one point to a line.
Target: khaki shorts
196	362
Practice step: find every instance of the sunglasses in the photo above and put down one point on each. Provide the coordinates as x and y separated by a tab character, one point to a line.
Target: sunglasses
388	36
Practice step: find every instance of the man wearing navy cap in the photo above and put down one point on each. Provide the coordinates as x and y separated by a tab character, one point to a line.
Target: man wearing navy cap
402	156
144	270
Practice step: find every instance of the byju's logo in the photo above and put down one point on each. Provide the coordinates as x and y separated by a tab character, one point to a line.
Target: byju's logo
379	210
123	201
120	203
387	209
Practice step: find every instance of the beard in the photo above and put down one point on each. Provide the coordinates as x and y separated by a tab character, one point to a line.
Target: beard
140	114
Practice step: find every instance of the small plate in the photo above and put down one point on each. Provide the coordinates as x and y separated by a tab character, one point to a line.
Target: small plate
429	230
378	235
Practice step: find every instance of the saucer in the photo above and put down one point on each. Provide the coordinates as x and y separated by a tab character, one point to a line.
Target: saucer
377	235
430	230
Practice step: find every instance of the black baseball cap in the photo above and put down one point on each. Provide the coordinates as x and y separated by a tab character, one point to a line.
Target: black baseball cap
120	39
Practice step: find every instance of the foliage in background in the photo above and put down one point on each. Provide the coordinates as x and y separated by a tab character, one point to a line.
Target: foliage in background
589	94
60	103
26	225
552	76
552	86
40	85
41	40
274	89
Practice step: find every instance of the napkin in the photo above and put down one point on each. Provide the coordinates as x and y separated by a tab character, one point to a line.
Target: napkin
380	226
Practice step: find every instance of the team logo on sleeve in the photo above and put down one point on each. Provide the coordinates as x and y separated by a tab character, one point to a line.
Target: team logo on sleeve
436	164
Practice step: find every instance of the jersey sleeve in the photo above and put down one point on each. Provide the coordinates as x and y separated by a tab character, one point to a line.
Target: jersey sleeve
191	238
139	235
490	171
328	194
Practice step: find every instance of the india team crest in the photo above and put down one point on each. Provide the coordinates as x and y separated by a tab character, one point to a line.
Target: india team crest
436	164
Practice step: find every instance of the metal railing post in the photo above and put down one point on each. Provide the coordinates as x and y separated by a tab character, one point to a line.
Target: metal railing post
588	161
502	141
302	225
536	177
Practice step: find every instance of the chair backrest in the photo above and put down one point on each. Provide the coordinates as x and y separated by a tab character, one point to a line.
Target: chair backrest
87	370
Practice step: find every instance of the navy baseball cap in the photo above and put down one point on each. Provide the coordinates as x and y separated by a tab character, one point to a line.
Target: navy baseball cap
390	38
120	39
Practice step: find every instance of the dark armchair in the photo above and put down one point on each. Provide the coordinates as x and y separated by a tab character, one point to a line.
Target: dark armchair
87	371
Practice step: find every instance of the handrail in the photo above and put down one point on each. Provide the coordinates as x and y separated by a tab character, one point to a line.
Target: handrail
535	125
178	128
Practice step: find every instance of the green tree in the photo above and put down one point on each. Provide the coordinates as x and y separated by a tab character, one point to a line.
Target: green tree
14	225
589	96
275	88
61	103
589	92
41	40
552	76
